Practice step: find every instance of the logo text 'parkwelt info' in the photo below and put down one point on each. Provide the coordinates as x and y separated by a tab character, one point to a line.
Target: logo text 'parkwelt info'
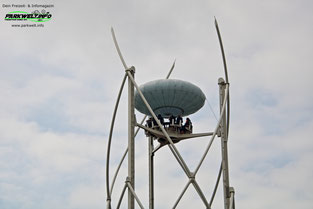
34	17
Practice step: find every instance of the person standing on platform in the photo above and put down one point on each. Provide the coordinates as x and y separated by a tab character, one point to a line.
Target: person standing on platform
161	119
187	125
179	120
172	120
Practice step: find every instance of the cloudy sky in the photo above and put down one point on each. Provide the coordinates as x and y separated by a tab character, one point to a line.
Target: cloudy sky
58	86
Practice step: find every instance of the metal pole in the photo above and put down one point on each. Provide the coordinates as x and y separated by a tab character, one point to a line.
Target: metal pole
151	173
200	193
109	145
223	129
117	170
131	139
121	197
216	185
232	198
182	193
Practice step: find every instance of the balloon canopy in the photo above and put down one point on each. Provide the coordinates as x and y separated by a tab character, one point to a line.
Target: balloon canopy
170	97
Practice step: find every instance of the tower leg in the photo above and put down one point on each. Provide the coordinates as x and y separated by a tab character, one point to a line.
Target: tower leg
224	138
151	173
131	141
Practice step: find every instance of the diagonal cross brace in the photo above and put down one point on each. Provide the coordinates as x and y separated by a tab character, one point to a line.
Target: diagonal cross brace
192	179
198	190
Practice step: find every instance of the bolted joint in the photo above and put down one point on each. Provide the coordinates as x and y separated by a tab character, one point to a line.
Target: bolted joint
131	69
231	190
221	81
192	177
219	131
127	180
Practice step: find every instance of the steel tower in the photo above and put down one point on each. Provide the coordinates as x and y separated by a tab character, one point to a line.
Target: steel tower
168	133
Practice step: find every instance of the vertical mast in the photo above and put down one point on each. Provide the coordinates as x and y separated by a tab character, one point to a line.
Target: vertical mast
131	141
151	173
224	138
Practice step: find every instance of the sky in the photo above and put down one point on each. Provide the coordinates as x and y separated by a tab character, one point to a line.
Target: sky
59	83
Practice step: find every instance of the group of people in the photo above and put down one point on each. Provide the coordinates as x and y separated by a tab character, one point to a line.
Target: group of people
173	121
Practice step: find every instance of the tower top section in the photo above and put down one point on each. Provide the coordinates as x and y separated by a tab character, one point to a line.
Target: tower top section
170	97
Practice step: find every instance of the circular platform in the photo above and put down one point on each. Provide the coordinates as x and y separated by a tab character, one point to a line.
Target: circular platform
170	97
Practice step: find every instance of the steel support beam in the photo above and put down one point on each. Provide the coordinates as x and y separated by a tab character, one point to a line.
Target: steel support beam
224	139
131	138
151	172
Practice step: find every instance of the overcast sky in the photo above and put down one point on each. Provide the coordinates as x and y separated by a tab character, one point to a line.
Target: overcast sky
58	86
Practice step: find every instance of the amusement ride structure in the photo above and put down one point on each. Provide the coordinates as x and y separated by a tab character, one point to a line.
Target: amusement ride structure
169	99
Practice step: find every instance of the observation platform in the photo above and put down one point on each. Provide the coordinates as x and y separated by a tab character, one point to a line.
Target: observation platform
174	131
170	99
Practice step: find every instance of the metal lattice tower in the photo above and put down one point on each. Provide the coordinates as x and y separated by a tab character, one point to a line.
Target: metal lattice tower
143	99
